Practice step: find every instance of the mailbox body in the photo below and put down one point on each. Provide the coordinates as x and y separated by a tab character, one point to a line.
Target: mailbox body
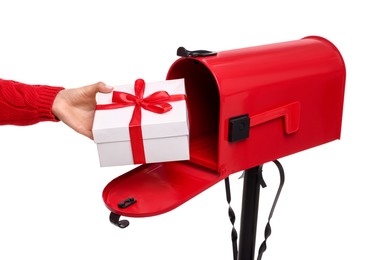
246	107
297	84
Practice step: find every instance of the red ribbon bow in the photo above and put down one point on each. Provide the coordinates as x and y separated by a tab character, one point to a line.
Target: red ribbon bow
156	102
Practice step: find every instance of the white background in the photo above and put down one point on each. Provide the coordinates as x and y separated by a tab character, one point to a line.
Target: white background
51	184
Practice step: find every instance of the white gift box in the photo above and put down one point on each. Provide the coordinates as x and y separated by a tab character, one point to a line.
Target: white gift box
165	136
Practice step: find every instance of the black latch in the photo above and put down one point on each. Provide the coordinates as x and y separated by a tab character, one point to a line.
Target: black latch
114	218
238	128
127	202
182	52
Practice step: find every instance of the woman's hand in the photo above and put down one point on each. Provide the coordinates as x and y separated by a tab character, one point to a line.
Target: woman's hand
76	107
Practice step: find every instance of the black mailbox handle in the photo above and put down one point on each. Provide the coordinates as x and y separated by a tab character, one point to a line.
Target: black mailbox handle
183	52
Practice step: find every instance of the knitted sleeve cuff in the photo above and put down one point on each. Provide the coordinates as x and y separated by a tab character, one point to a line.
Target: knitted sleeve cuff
46	96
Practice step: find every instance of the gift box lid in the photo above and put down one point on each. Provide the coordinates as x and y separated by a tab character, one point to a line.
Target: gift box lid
111	125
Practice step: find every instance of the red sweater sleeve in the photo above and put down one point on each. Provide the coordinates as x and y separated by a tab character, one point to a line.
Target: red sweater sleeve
23	104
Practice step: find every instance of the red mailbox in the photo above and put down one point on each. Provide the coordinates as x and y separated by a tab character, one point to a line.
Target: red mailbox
247	107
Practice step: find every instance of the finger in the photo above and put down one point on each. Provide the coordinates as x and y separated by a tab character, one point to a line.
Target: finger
89	134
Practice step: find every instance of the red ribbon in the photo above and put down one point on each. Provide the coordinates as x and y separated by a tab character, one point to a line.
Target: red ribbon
156	103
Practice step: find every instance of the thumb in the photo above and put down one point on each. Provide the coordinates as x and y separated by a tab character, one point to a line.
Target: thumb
103	88
97	87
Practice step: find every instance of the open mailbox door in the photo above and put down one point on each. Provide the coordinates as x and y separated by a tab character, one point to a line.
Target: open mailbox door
246	107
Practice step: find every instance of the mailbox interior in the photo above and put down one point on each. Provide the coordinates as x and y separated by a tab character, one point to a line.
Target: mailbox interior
203	101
